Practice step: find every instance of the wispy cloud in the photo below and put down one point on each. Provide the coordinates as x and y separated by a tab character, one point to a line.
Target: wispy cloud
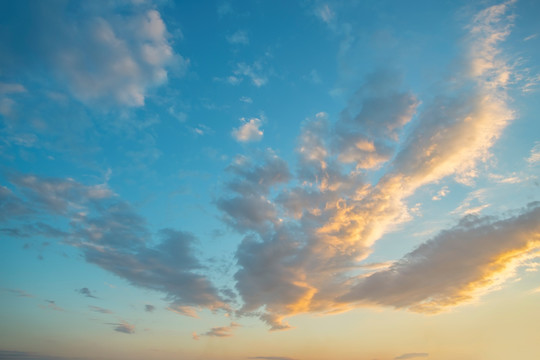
221	331
86	292
100	309
123	327
238	38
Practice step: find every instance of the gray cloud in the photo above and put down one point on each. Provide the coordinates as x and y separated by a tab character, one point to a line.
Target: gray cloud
149	308
303	244
111	235
100	309
476	254
86	292
123	327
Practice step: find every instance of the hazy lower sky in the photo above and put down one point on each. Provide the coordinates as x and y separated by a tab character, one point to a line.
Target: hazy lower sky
273	180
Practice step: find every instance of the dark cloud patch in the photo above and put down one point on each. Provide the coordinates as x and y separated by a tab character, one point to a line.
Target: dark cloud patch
220	332
86	292
149	308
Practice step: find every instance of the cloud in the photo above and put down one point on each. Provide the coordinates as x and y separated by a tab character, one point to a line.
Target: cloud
325	13
86	292
149	308
51	305
221	331
249	131
100	309
124	327
456	266
19	292
411	356
535	154
111	235
441	193
102	58
254	72
304	244
238	38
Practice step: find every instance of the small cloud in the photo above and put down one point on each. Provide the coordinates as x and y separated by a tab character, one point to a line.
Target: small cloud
248	131
220	331
124	327
238	38
325	13
195	336
411	356
530	37
6	88
313	77
246	100
51	305
86	292
19	293
149	308
441	193
535	154
225	9
100	310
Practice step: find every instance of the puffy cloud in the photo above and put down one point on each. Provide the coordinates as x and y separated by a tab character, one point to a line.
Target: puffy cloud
249	130
455	266
102	57
304	246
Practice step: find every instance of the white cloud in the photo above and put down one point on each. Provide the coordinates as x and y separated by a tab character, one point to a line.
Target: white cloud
535	154
441	193
249	131
101	58
238	38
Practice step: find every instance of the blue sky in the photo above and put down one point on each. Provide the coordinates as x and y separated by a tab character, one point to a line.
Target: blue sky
225	180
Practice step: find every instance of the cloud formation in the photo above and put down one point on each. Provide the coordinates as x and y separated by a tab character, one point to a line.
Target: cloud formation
111	235
249	130
102	58
124	327
305	243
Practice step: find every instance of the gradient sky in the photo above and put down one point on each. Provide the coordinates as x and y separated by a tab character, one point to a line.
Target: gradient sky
269	180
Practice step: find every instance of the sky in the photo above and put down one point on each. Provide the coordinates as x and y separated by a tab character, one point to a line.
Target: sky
273	180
